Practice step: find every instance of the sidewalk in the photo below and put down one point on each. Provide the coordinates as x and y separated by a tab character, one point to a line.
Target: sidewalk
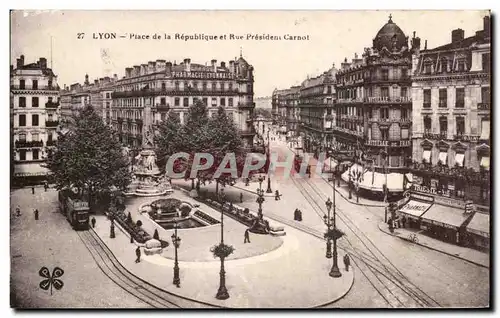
465	253
291	276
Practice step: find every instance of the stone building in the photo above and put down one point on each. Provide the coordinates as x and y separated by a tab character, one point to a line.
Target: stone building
452	115
34	103
316	104
168	89
373	111
291	110
279	108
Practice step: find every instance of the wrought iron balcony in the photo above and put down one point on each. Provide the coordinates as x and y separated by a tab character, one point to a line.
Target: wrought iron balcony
51	143
246	105
51	123
163	107
38	88
29	144
51	104
483	106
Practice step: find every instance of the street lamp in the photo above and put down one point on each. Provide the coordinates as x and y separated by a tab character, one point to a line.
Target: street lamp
269	190
350	181
176	240
222	292
327	220
335	234
260	199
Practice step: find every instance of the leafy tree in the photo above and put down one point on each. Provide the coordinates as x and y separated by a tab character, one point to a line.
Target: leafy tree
89	157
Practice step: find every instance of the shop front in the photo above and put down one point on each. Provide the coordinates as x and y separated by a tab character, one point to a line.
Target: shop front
414	209
478	231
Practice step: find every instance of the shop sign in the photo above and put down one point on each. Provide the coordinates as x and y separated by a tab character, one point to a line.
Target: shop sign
432	190
415	207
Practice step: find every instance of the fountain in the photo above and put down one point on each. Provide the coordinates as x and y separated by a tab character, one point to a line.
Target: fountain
147	179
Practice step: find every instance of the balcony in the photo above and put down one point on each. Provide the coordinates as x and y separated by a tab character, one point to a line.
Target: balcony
387	100
163	107
483	106
51	104
348	131
464	137
28	144
427	105
349	100
51	123
51	143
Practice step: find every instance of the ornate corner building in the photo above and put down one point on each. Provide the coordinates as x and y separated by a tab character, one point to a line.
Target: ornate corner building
34	118
374	104
452	114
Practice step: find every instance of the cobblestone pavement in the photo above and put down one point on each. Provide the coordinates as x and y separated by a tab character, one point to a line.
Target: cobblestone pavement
51	242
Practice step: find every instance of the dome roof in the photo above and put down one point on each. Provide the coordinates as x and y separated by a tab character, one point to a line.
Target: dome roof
390	36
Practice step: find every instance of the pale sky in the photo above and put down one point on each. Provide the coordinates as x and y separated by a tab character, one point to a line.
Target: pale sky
333	35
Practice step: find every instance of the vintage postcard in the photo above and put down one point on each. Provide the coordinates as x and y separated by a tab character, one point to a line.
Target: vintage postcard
250	159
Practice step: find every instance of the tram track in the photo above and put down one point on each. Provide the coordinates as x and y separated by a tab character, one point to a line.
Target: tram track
395	287
143	290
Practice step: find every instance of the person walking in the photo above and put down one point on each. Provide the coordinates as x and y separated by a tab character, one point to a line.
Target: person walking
247	236
45	185
36	214
277	195
138	254
296	215
241	197
18	211
32	190
247	182
347	262
403	221
299	216
93	222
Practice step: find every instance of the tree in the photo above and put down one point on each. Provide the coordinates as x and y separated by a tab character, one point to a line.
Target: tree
169	138
88	157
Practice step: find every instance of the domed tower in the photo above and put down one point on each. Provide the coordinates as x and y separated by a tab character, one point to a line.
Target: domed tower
391	37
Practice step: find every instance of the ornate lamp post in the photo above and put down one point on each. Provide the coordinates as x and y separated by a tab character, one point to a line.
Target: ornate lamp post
260	199
176	240
222	251
269	190
333	234
327	220
350	181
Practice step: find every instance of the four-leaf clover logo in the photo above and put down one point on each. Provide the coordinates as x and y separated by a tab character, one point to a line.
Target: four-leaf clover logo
51	280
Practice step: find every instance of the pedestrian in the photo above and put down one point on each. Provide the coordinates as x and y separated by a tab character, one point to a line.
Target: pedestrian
391	226
296	215
247	182
241	197
32	190
299	216
93	222
277	195
403	221
18	211
36	214
347	262
138	254
247	236
45	185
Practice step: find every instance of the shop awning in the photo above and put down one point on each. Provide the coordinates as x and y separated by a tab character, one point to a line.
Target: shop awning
445	216
354	168
485	162
427	156
480	225
442	157
374	181
459	159
414	209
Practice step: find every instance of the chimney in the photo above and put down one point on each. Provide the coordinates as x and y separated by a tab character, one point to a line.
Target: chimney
42	62
214	65
169	67
187	65
86	79
231	66
160	65
425	45
115	77
486	26
20	61
457	35
144	69
151	67
223	64
128	72
96	82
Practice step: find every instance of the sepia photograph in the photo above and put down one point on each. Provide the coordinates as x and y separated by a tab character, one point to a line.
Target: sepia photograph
250	159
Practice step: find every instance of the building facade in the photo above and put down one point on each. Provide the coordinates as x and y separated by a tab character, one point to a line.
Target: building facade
291	110
452	115
279	108
168	89
316	103
34	111
373	110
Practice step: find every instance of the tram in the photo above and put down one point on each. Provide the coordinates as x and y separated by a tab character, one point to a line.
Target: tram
75	209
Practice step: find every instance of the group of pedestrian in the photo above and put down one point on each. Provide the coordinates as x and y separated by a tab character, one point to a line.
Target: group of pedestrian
36	213
297	215
396	223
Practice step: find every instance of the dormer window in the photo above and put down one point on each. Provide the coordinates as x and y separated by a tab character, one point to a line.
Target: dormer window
427	67
444	65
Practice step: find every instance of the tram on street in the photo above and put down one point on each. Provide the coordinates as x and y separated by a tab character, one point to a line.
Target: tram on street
75	209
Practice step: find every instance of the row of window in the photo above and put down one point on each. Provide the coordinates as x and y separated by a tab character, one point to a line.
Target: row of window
185	101
445	65
383	112
34	137
187	86
459	97
34	119
383	75
35	101
460	125
384	92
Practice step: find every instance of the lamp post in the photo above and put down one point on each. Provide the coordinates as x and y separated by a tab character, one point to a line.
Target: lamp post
334	272
350	181
176	240
327	220
222	292
269	190
260	199
386	190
